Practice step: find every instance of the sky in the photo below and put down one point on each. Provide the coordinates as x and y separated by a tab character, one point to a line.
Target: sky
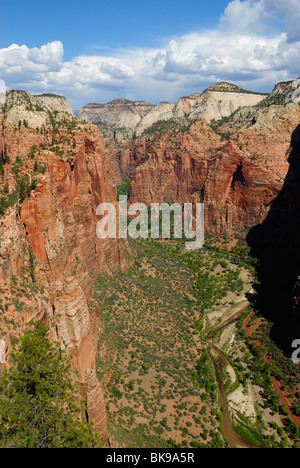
96	50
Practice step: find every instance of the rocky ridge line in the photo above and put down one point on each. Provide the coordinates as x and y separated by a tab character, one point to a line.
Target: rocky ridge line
122	119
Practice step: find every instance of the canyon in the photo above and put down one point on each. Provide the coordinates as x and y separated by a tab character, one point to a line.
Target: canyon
244	168
49	248
236	166
233	150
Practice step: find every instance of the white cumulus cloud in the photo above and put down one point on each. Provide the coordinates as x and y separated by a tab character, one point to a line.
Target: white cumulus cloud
2	86
20	62
289	11
243	17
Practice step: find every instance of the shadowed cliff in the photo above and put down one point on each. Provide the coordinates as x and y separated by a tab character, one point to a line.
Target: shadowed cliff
276	243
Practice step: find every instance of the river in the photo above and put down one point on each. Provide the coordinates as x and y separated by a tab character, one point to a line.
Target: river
220	364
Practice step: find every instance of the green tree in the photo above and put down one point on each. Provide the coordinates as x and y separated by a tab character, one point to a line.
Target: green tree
38	398
23	190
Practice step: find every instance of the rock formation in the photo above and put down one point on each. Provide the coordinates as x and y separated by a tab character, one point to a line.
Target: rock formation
225	147
237	179
276	244
54	103
219	101
122	119
50	254
117	119
20	107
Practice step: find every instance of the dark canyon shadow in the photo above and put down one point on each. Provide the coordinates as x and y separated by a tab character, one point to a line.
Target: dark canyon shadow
276	243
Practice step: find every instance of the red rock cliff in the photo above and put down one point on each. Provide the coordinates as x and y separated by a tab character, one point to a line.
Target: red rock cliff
50	254
276	244
237	178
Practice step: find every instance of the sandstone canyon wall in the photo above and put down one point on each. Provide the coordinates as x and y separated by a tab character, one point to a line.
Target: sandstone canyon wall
55	171
246	171
49	253
236	177
275	242
235	165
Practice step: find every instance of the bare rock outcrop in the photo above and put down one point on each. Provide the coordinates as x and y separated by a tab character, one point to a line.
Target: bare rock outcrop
122	119
20	108
49	252
275	242
54	103
220	101
117	119
237	170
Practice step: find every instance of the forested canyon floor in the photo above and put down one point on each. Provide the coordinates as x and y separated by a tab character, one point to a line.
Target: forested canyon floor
161	383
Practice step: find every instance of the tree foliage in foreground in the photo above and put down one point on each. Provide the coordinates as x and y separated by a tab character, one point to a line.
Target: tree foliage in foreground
38	398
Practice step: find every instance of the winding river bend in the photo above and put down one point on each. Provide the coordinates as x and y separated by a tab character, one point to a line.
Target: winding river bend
220	364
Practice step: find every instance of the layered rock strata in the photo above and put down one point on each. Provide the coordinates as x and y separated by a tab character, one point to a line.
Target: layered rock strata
50	254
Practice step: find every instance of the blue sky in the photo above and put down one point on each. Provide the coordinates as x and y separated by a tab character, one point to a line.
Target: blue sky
95	51
84	26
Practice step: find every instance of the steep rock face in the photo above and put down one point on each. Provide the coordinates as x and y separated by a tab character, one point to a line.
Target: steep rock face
171	168
235	191
50	254
117	119
220	101
123	120
276	244
198	141
285	93
276	110
236	179
163	111
20	108
185	104
54	103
